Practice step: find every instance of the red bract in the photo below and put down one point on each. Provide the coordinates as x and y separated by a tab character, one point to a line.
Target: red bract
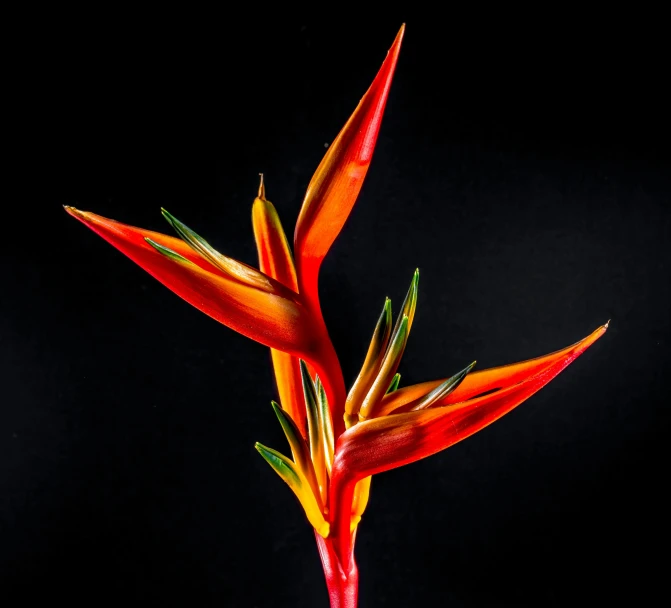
337	440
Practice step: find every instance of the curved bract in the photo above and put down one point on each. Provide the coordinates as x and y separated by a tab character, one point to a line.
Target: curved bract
337	440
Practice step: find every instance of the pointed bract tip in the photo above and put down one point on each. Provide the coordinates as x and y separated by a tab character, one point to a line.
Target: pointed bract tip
169	253
73	212
399	36
262	187
167	215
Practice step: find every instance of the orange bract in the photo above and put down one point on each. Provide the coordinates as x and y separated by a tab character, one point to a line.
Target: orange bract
337	181
276	261
275	319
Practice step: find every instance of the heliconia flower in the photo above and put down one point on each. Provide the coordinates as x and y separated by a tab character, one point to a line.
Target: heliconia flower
337	440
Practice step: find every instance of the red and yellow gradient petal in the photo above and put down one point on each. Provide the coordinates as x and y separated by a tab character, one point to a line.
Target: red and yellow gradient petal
475	383
388	442
335	185
269	318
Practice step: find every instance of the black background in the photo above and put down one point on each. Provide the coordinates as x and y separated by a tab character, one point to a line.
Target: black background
522	165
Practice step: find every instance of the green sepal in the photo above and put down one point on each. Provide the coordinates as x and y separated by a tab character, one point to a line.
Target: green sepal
442	390
381	335
311	408
291	476
232	267
168	253
390	364
409	304
299	449
281	465
314	428
326	423
195	241
394	383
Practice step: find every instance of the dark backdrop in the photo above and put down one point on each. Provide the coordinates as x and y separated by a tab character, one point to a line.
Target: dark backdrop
522	165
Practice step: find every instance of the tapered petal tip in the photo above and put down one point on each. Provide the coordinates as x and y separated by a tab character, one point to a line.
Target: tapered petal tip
399	37
168	217
262	187
74	212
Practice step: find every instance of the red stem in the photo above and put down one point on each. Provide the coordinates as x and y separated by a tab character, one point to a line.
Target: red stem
343	587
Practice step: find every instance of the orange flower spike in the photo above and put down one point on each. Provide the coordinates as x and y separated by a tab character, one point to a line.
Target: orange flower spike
335	185
392	441
276	261
272	316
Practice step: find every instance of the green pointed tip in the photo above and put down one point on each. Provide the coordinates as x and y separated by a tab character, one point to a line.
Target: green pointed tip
305	373
459	376
182	229
273	457
399	338
415	282
167	215
169	253
394	383
443	390
309	392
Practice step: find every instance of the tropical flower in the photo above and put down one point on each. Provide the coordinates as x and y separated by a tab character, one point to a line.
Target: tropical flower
338	439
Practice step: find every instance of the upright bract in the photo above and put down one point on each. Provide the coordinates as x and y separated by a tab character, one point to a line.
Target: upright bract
338	440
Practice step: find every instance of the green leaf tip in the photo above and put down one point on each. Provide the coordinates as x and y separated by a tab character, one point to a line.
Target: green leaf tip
169	253
280	463
394	383
442	390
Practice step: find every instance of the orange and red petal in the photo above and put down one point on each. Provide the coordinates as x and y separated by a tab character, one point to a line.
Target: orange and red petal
335	185
477	382
392	441
268	318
